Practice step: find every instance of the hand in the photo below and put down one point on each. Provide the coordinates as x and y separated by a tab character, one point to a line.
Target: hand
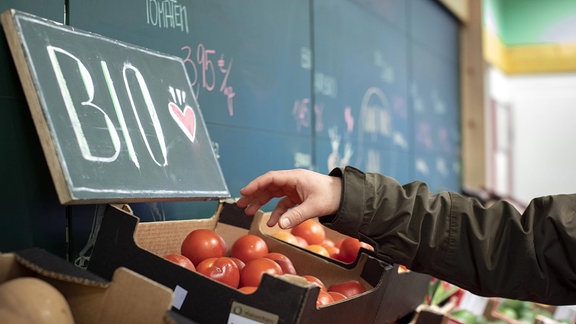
306	194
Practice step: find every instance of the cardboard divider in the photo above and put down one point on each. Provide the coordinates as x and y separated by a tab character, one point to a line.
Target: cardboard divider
406	291
92	299
124	242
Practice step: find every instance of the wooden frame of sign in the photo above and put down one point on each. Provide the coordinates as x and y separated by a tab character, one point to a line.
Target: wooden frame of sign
117	122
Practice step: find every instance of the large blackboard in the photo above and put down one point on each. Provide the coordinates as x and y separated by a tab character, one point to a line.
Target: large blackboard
280	84
368	83
117	122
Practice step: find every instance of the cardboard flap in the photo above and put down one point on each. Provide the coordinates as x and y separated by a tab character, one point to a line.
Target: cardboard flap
154	236
51	266
128	285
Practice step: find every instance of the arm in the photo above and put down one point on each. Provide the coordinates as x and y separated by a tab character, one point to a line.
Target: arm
492	251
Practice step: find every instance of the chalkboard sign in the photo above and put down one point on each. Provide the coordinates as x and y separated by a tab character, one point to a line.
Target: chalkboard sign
117	122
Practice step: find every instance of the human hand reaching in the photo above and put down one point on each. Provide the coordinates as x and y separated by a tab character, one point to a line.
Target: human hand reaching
304	194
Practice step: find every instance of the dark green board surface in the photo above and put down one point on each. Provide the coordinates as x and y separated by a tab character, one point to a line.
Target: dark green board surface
120	122
278	61
31	213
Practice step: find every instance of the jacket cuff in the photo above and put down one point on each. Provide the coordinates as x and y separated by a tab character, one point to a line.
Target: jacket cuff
353	181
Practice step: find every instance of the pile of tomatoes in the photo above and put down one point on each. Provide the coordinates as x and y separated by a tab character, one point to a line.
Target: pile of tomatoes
249	258
311	235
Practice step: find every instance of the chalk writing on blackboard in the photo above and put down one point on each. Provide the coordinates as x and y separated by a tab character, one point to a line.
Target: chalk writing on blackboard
375	117
185	118
118	122
387	73
306	58
167	14
302	113
302	160
205	73
325	84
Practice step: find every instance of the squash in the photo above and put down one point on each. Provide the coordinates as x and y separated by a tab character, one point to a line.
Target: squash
32	300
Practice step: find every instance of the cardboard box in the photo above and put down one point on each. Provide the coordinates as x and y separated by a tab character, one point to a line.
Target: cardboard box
124	242
405	291
93	299
426	314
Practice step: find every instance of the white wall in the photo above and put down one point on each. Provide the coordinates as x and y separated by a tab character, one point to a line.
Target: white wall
543	133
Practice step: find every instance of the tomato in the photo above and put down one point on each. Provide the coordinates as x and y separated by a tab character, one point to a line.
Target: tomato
283	261
366	246
252	273
180	260
338	243
248	289
318	249
201	244
311	230
315	280
248	247
221	269
327	242
348	288
332	251
324	298
349	248
286	236
337	296
301	242
239	263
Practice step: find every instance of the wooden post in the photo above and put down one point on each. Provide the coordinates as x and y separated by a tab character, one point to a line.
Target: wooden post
473	94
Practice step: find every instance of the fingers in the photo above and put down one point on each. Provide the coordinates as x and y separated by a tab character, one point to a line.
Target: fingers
260	191
253	203
288	213
304	194
282	213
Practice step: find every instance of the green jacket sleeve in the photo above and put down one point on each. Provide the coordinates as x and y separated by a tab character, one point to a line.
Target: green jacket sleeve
495	251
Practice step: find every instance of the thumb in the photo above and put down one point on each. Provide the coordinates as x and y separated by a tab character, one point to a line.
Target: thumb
293	217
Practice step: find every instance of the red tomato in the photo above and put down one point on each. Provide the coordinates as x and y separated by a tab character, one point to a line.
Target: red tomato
252	273
201	244
318	249
283	261
301	242
286	236
221	269
330	246
315	280
327	242
366	246
402	268
349	248
248	289
249	247
332	251
181	260
324	298
239	263
337	296
311	230
338	243
348	288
